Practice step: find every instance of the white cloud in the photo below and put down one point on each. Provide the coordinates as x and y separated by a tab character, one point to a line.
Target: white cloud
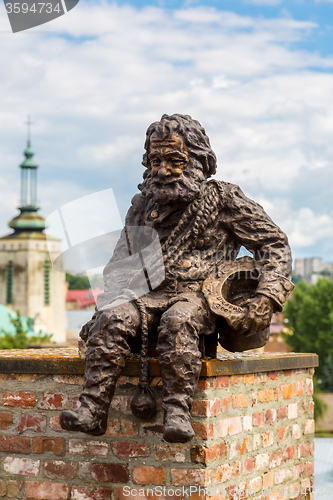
106	72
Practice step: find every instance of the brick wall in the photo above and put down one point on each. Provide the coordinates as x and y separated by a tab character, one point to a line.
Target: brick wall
254	431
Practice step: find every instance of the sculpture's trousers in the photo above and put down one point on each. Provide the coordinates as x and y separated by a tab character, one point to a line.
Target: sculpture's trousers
179	355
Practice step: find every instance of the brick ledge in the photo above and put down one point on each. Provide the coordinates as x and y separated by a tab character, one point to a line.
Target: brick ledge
67	361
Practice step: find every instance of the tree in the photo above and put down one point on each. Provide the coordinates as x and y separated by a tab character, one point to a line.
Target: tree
309	316
20	339
77	282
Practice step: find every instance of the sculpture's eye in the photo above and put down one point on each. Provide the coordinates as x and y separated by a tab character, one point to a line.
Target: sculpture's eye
155	162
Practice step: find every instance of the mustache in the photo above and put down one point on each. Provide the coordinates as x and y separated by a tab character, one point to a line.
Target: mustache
178	189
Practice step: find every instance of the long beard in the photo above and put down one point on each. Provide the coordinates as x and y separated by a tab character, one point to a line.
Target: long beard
181	190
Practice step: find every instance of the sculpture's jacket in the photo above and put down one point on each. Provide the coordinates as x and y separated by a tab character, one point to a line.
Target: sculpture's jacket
237	222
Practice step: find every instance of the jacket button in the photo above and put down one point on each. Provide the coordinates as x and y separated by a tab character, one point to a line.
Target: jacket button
154	214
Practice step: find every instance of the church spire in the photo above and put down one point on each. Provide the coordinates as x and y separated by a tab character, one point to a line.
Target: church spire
28	220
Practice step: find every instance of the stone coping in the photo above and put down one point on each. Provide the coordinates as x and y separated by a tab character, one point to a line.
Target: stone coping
67	361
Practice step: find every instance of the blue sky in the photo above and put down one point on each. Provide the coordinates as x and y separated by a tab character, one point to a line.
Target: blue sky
257	74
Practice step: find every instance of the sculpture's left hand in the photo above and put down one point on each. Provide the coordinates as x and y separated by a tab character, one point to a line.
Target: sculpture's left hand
259	314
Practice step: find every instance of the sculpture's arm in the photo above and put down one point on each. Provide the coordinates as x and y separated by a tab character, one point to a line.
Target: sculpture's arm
254	229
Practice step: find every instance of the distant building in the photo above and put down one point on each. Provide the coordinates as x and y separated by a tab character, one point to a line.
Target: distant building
82	299
28	282
312	269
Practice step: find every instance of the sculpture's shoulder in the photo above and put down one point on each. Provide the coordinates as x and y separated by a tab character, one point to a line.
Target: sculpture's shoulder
137	209
225	190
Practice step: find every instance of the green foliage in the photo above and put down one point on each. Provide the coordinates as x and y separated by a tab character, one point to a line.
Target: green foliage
77	282
20	339
309	315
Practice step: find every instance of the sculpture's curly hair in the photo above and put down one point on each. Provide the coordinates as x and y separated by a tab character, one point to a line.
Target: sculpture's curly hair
193	135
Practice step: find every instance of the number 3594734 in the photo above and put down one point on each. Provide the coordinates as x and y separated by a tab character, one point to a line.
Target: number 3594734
35	8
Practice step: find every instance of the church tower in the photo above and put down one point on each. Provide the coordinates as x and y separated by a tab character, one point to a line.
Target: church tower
28	282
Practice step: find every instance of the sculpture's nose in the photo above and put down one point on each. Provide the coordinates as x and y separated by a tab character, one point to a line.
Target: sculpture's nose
164	170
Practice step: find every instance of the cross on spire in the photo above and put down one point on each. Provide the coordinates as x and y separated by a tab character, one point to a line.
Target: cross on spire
29	123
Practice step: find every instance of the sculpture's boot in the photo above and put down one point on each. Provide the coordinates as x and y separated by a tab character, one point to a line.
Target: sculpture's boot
94	401
179	359
107	349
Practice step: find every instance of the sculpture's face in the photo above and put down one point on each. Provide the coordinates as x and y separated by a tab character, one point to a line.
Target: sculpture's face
168	158
175	176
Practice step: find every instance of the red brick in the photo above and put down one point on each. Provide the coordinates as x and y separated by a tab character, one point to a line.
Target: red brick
311	406
43	444
56	469
112	473
3	488
270	416
249	378
35	423
123	428
203	431
203	455
190	477
87	448
205	383
15	444
230	426
266	395
287	391
240	401
258	419
273	375
282	413
248	465
276	394
255	484
40	490
262	461
23	399
282	433
86	493
260	377
174	452
292	411
296	431
298	471
55	424
234	449
122	403
282	475
221	382
276	458
205	408
124	449
225	472
290	452
14	489
309	426
309	387
267	480
312	448
225	403
245	446
299	387
22	466
53	401
6	419
236	379
287	373
146	474
267	438
303	449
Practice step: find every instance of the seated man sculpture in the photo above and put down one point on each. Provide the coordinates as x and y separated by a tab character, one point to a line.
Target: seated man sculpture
201	225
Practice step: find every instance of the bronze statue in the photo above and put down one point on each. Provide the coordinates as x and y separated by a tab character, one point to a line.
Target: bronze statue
207	293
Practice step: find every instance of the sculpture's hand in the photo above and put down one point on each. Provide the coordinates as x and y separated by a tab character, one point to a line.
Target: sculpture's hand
259	315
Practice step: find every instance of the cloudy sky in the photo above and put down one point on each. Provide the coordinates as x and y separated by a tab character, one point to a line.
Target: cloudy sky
256	73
